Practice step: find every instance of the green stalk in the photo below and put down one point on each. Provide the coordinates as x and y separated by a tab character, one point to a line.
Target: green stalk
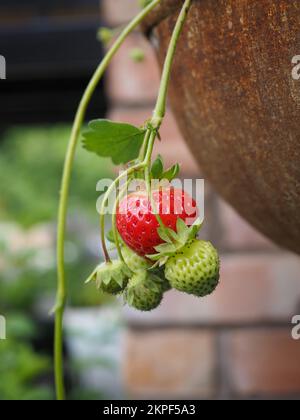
144	146
160	108
104	201
64	193
114	220
151	133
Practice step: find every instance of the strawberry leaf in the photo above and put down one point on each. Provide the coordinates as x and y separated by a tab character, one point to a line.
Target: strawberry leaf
119	141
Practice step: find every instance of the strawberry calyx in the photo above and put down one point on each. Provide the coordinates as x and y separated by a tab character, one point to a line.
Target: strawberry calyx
174	241
107	273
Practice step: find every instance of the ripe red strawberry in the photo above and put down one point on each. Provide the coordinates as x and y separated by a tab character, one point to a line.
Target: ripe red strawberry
137	223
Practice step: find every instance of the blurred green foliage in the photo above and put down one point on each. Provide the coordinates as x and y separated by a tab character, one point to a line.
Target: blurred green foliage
21	368
31	162
23	282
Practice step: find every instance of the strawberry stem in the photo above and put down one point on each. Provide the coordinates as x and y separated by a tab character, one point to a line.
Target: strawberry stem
64	194
114	225
144	146
160	108
110	189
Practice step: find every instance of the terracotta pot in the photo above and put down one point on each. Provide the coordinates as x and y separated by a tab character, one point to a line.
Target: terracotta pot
235	91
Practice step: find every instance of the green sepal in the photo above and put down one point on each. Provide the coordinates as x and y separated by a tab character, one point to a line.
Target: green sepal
171	173
164	234
166	249
158	173
110	236
111	276
157	168
175	240
144	291
130	296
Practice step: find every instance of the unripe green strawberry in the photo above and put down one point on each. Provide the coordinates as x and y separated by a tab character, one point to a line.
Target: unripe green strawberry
160	272
194	269
137	263
112	288
144	291
134	261
111	277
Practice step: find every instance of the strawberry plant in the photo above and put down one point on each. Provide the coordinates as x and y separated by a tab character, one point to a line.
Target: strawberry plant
154	229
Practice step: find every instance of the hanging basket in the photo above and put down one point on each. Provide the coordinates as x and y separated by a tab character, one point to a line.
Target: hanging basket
235	92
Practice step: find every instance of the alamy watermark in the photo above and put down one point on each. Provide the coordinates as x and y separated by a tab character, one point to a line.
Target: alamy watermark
173	202
2	67
2	328
296	328
296	68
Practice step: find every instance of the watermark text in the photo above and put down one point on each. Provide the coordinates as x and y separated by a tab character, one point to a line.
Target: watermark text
2	328
296	68
167	196
296	328
2	67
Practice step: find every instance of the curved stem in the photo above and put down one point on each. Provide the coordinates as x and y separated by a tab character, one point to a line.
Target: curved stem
103	242
144	146
114	221
160	108
65	186
150	146
104	201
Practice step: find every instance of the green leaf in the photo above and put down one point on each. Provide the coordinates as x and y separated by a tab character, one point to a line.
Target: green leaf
119	141
157	168
171	173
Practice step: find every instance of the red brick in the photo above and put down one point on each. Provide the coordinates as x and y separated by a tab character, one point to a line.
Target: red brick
237	234
116	12
253	289
262	362
159	364
130	82
172	147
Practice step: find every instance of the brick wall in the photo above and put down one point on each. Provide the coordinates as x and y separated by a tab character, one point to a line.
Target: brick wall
236	343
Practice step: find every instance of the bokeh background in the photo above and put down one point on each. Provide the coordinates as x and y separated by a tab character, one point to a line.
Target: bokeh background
234	344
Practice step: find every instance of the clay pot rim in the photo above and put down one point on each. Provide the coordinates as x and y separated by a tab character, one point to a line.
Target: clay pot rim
161	12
